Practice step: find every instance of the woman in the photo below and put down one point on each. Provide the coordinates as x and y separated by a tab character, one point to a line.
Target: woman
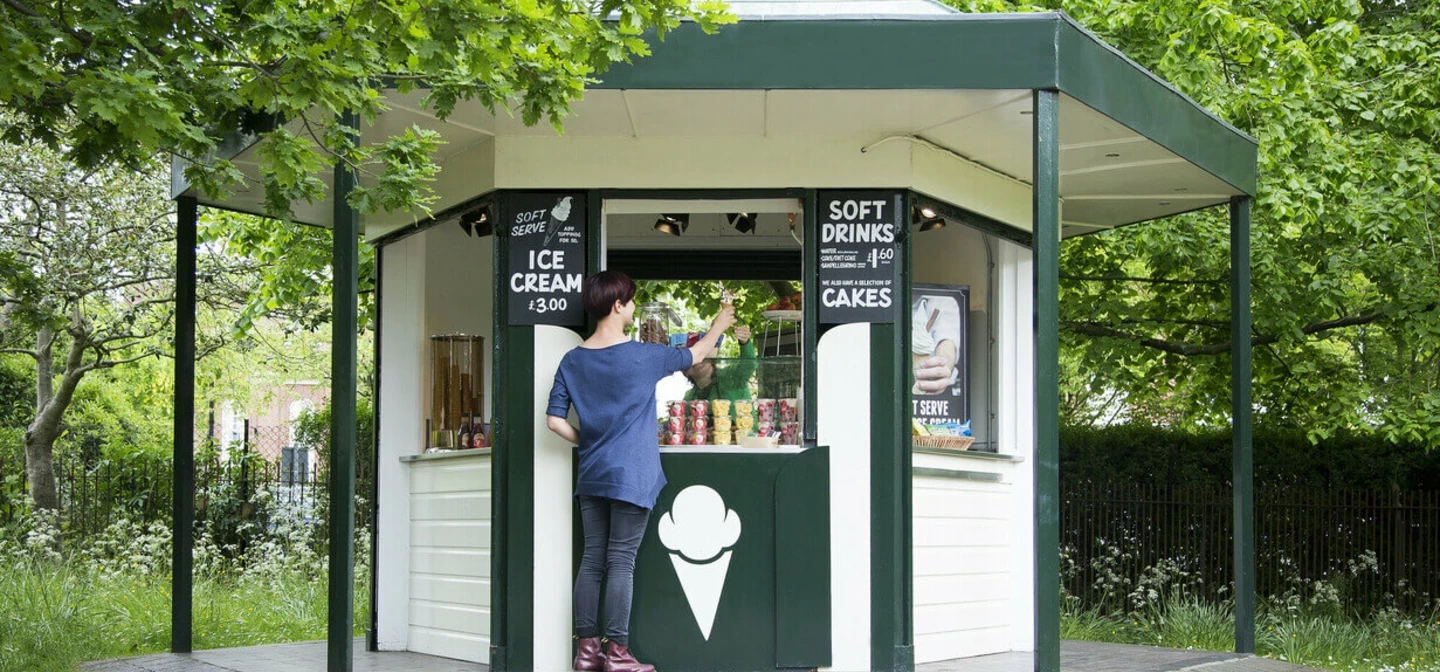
610	380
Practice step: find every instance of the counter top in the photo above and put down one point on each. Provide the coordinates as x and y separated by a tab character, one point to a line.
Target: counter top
970	454
737	450
447	455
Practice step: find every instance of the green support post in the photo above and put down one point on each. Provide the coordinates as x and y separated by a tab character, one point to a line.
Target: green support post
1240	407
183	502
500	459
345	253
1046	203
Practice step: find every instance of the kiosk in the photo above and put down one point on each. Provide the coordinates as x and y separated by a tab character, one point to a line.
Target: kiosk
911	171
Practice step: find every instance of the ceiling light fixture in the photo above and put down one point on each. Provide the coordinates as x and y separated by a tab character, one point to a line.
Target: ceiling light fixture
927	218
743	222
672	224
477	222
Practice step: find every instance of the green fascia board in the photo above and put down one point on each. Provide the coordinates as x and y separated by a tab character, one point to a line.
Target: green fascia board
1098	75
1017	52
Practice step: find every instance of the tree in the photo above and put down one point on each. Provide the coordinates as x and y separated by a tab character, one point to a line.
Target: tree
88	285
1342	95
173	76
282	271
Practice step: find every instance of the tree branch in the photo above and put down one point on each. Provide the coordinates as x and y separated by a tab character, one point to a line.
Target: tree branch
22	9
1131	278
1190	349
117	362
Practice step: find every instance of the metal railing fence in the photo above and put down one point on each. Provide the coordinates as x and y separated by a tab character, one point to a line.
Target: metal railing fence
1363	550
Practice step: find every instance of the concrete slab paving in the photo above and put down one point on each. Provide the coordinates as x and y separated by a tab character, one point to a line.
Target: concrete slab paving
1100	657
1074	657
297	657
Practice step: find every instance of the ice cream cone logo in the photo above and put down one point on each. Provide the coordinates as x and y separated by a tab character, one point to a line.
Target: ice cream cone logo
700	530
558	216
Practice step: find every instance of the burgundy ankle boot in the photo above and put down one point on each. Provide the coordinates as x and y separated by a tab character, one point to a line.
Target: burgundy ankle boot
587	655
618	659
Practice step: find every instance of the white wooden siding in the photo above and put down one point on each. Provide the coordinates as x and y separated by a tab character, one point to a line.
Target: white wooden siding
450	558
964	537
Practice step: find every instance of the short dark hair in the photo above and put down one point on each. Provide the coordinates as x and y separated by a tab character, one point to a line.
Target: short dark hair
603	289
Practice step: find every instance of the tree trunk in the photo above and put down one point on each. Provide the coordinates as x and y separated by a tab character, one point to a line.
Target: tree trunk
50	406
39	443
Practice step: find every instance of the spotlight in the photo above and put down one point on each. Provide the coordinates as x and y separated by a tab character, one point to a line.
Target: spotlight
927	218
477	221
672	224
743	222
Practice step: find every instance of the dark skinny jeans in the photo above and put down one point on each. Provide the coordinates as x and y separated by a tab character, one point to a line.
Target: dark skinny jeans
613	530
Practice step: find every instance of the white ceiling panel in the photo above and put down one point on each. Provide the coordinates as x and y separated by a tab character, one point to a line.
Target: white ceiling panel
697	113
601	113
844	112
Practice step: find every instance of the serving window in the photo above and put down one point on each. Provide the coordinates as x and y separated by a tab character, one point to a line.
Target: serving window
689	257
951	334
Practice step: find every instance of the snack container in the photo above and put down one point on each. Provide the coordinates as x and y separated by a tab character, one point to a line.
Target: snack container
765	409
698	438
723	423
676	408
675	424
764	427
744	407
790	433
699	408
675	438
698	423
723	437
720	407
745	422
789	409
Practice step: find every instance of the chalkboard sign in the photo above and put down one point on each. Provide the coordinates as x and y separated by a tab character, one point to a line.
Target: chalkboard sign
858	239
546	237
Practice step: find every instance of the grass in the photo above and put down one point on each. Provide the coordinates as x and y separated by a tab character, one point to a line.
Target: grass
1388	642
53	616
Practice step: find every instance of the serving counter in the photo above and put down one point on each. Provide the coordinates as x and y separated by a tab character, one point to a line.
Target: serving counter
734	571
449	558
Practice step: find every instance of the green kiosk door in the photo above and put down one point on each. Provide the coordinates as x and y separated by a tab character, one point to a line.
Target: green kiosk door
734	571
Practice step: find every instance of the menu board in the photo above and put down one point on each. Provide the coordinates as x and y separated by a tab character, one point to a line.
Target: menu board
859	234
546	237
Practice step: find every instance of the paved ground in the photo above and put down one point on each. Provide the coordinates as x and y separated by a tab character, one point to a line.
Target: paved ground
1074	657
301	657
1096	657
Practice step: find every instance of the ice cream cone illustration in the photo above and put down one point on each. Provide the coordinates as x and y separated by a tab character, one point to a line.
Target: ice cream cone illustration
700	530
558	216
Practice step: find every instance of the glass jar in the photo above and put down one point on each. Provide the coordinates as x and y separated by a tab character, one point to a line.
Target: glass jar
457	392
653	321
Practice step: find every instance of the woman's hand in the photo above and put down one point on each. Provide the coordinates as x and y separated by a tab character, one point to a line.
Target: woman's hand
933	375
706	345
742	334
724	320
